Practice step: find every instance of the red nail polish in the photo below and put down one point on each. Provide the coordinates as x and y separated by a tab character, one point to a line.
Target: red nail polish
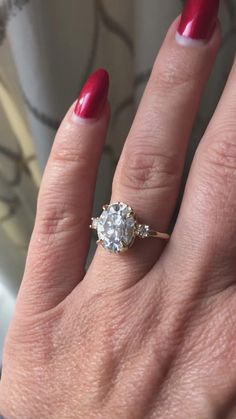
198	19
93	96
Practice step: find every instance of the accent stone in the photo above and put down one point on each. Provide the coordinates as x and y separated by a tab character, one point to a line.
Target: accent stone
94	226
143	230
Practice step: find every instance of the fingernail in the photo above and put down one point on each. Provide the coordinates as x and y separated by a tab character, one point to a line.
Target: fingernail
198	19
93	96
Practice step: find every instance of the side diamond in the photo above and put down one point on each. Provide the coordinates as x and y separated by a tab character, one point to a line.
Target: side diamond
143	230
94	223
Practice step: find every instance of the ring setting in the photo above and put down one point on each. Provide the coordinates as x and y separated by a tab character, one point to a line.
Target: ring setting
118	227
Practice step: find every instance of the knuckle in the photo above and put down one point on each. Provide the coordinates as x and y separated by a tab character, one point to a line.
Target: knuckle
69	154
64	149
56	220
216	159
172	75
221	156
148	169
70	147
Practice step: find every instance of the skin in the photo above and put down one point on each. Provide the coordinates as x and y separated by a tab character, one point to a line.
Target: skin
151	333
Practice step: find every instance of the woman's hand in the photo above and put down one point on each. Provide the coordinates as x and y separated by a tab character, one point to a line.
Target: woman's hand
149	333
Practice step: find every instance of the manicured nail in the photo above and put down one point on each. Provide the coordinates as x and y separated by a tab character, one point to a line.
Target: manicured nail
93	96
198	19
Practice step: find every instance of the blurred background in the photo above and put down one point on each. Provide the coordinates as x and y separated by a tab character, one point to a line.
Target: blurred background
47	50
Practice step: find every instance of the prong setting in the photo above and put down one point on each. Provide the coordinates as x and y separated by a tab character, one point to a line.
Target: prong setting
124	247
131	214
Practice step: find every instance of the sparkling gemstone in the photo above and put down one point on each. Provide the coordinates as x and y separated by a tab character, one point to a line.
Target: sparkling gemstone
94	223
116	227
143	230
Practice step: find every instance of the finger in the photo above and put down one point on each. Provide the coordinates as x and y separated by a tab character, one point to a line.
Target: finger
60	240
207	222
150	169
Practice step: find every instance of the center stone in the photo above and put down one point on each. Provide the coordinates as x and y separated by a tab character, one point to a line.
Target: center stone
116	227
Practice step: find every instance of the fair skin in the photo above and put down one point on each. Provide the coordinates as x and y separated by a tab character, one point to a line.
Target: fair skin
150	333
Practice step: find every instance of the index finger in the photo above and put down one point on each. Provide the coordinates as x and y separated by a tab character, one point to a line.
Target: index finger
60	240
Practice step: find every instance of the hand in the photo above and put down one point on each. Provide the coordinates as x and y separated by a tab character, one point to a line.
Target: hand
149	333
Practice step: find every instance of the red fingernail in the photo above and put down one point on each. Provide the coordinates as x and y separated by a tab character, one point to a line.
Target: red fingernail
198	19
93	96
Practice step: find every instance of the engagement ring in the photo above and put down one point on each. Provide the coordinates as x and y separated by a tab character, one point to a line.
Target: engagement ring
117	227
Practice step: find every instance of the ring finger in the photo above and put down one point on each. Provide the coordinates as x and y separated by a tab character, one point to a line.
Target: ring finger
149	173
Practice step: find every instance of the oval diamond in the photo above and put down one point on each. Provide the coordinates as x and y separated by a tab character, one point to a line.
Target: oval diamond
116	227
